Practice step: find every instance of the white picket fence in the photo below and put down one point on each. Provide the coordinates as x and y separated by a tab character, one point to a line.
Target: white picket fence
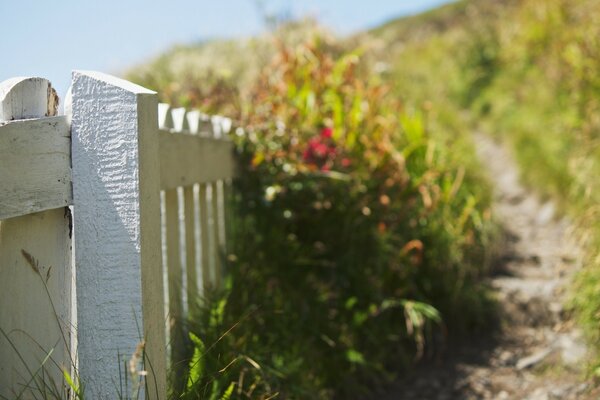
113	220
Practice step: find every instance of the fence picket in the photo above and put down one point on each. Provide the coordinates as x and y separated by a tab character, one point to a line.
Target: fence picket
207	281
35	256
180	120
216	240
227	218
165	118
174	268
190	244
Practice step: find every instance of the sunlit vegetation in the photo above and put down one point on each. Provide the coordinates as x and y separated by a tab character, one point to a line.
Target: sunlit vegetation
363	227
526	72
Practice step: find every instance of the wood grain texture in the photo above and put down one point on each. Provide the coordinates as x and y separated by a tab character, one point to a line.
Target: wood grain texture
23	98
30	314
117	218
35	166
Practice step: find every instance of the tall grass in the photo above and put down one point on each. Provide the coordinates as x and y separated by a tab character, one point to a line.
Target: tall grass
40	379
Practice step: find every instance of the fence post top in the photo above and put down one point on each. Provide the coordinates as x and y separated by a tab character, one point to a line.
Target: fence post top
112	81
27	97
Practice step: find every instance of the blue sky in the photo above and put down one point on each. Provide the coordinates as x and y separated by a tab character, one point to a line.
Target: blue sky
49	38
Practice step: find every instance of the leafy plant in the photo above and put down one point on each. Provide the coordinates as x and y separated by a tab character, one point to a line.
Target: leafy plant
356	238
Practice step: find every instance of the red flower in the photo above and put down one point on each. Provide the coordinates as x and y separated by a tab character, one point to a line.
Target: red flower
320	150
326	132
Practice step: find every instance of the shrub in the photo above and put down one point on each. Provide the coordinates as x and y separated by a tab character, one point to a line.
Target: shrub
355	237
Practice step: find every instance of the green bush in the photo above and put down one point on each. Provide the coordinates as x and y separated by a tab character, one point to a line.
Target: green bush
356	238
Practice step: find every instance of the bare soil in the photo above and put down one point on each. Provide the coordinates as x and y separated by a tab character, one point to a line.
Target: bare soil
537	353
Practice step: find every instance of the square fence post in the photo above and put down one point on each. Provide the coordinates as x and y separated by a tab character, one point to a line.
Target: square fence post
117	234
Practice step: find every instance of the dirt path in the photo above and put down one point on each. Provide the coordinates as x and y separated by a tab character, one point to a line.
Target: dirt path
537	354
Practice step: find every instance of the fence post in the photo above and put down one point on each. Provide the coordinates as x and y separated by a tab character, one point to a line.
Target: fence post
35	260
117	239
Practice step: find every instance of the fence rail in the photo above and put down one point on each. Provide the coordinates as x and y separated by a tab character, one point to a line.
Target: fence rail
148	186
34	152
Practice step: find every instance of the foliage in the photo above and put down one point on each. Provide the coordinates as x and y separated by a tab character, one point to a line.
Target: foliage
547	102
541	93
554	121
356	236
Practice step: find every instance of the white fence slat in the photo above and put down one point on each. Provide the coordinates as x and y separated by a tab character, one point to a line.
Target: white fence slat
216	126
36	323
205	126
35	166
193	120
227	217
221	126
217	249
190	245
175	278
180	121
207	281
35	250
220	188
165	119
117	220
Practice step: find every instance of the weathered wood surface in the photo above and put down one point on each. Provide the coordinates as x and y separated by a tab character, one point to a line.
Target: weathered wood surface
35	249
187	159
175	279
116	192
207	279
217	237
191	241
24	98
35	166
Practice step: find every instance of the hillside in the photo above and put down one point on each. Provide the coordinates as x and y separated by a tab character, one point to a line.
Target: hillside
526	73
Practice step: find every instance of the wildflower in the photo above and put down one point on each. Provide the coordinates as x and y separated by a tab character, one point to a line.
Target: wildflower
321	151
327	132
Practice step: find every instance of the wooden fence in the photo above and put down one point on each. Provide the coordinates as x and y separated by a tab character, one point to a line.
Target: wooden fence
113	221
